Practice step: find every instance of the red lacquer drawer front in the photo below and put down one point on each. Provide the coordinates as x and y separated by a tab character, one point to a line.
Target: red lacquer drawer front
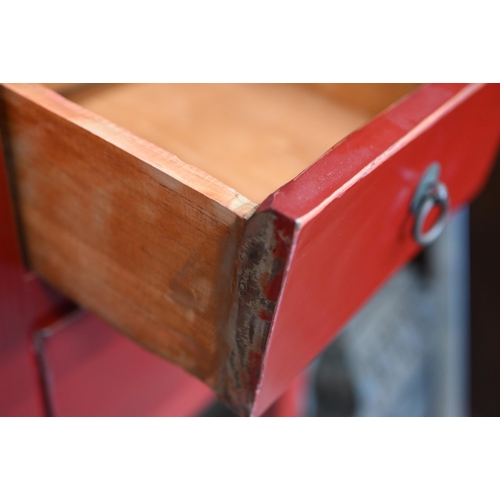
352	218
92	370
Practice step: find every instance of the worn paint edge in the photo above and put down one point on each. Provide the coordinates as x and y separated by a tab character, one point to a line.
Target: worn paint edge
411	135
257	409
262	257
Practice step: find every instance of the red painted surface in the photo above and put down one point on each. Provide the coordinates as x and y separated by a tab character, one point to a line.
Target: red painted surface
96	371
353	216
294	401
25	304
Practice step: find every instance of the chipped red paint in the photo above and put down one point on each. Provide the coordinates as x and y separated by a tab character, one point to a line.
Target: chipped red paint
260	263
266	315
254	366
283	233
272	289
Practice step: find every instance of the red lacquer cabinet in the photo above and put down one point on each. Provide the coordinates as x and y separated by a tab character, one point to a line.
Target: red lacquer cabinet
163	246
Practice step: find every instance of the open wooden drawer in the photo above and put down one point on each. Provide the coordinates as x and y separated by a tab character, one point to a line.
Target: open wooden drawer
238	265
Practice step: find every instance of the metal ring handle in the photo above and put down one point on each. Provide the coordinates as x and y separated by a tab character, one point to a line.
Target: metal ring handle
435	196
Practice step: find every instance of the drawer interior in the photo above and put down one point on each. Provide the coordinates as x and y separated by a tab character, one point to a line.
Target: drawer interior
252	137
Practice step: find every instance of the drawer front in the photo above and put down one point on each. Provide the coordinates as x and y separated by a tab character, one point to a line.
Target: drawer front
352	218
92	370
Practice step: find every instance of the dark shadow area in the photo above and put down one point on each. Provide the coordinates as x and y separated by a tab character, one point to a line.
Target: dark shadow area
218	410
485	298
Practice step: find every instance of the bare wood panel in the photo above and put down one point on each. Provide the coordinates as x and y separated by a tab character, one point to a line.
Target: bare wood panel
370	97
66	89
254	138
124	228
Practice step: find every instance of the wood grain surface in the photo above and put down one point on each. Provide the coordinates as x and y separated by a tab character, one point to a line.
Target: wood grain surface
124	228
253	137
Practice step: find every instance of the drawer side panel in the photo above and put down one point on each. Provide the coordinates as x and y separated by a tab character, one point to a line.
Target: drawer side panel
122	227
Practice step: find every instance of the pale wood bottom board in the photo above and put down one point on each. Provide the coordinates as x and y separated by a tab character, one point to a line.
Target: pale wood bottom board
252	137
